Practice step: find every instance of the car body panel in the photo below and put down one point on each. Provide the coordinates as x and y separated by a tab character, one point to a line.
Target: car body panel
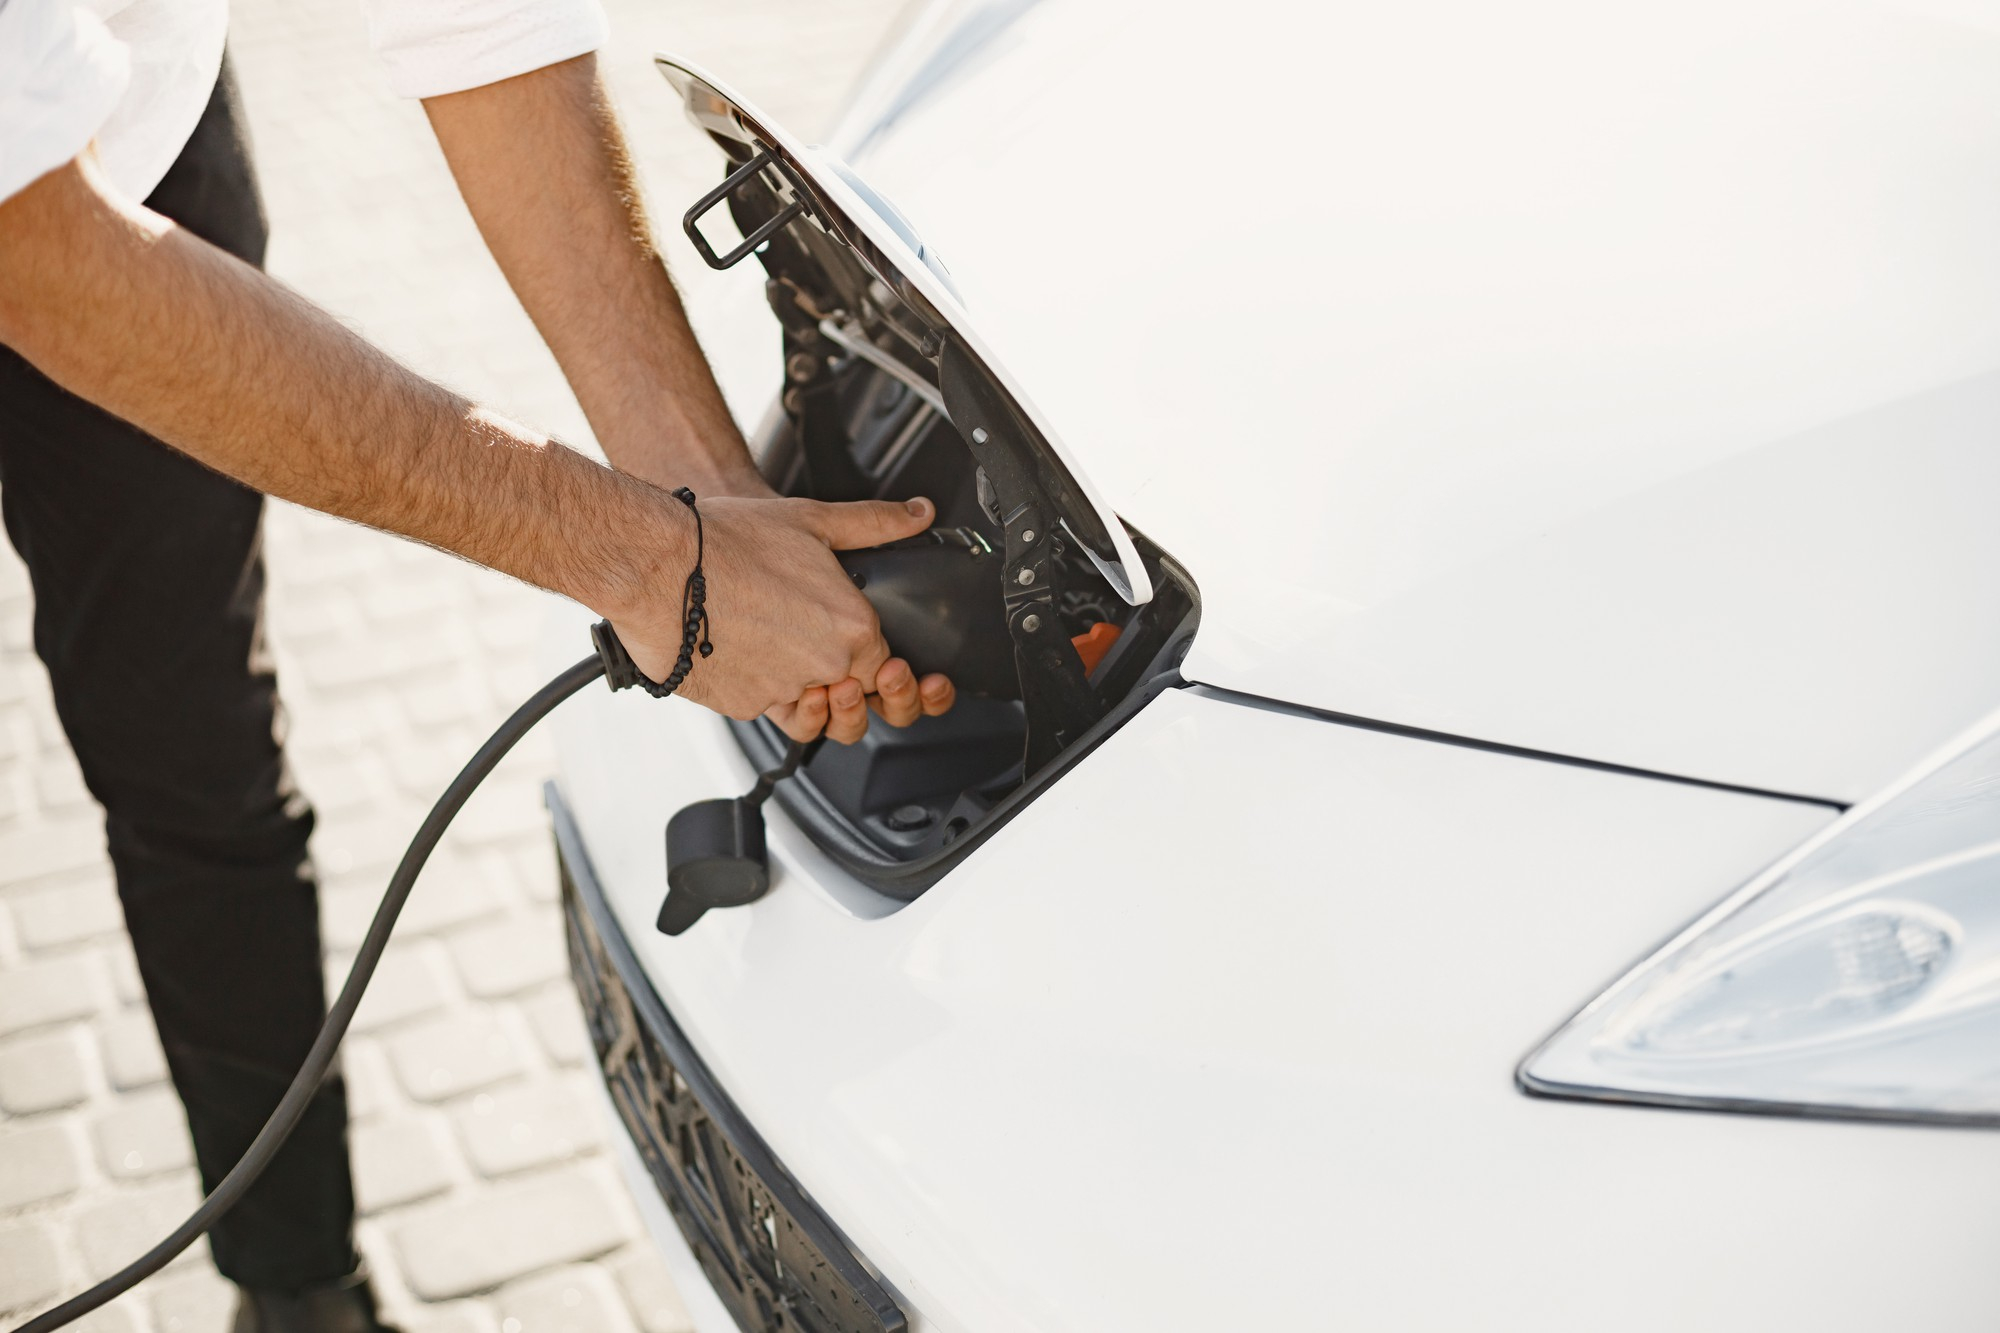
1222	1034
1613	381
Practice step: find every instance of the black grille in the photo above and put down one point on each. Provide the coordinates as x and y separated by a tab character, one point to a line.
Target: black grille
771	1255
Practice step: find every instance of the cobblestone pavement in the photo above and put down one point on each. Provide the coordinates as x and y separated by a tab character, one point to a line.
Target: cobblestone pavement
488	1206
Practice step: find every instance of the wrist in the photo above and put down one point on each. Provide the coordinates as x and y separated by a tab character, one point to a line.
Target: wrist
640	548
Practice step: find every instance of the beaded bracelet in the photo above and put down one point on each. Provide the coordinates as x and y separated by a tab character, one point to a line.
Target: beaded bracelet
694	605
619	669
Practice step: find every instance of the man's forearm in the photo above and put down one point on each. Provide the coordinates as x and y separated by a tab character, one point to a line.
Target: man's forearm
542	165
123	308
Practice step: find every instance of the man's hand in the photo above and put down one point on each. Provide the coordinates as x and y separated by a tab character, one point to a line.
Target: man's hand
785	619
840	711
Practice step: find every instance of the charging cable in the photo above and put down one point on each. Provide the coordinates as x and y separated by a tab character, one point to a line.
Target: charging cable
320	1058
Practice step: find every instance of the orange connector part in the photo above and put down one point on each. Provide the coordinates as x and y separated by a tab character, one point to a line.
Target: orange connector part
1092	645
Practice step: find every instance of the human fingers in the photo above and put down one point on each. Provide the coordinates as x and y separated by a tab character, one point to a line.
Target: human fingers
856	524
848	719
937	693
804	720
895	699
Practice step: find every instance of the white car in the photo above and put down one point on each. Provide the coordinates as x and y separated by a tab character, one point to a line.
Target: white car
1494	822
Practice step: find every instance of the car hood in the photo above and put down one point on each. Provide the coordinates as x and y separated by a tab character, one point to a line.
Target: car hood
1618	383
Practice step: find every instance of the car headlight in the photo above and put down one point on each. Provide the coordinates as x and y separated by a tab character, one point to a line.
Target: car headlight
1859	976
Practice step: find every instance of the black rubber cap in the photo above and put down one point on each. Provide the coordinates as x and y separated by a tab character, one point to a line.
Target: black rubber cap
715	858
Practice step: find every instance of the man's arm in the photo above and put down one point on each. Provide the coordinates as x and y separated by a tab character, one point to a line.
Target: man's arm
542	164
123	308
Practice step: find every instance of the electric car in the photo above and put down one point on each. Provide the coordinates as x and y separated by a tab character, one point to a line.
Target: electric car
1470	539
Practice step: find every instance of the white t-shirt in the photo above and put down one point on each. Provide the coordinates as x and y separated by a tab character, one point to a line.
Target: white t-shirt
134	75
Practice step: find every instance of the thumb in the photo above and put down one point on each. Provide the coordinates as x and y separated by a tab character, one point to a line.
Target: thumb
855	524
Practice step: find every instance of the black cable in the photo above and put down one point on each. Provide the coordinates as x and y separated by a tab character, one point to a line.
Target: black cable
320	1058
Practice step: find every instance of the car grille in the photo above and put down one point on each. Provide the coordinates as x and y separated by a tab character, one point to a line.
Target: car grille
773	1258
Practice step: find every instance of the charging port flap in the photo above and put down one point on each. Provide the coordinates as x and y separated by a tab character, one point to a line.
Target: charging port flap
811	186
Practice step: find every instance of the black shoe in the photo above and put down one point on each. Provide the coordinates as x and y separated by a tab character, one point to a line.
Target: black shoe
346	1306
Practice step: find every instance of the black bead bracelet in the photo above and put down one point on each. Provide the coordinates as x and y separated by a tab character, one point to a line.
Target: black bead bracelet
694	604
621	671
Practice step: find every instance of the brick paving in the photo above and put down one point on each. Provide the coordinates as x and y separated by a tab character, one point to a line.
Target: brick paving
488	1205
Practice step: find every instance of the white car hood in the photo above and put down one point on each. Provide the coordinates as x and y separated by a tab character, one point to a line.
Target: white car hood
1618	382
1185	1048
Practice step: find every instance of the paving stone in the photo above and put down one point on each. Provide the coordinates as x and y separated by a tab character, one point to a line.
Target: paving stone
339	785
37	1164
368	843
39	849
423	765
345	911
650	1291
401	1160
127	1223
200	1301
391	601
43	1072
528	1125
476	1243
507	957
49	737
59	784
30	1273
334	563
449	893
501	810
114	1318
370	1089
448	703
568	1300
49	991
449	1056
453	1317
123	966
67	913
16	631
558	1023
377	661
348	724
453	891
408	983
508	634
131	1047
301	621
534	864
143	1135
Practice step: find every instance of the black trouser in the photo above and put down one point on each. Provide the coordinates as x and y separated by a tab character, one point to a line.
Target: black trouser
149	588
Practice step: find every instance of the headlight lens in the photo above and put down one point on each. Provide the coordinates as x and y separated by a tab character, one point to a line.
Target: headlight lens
1860	976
